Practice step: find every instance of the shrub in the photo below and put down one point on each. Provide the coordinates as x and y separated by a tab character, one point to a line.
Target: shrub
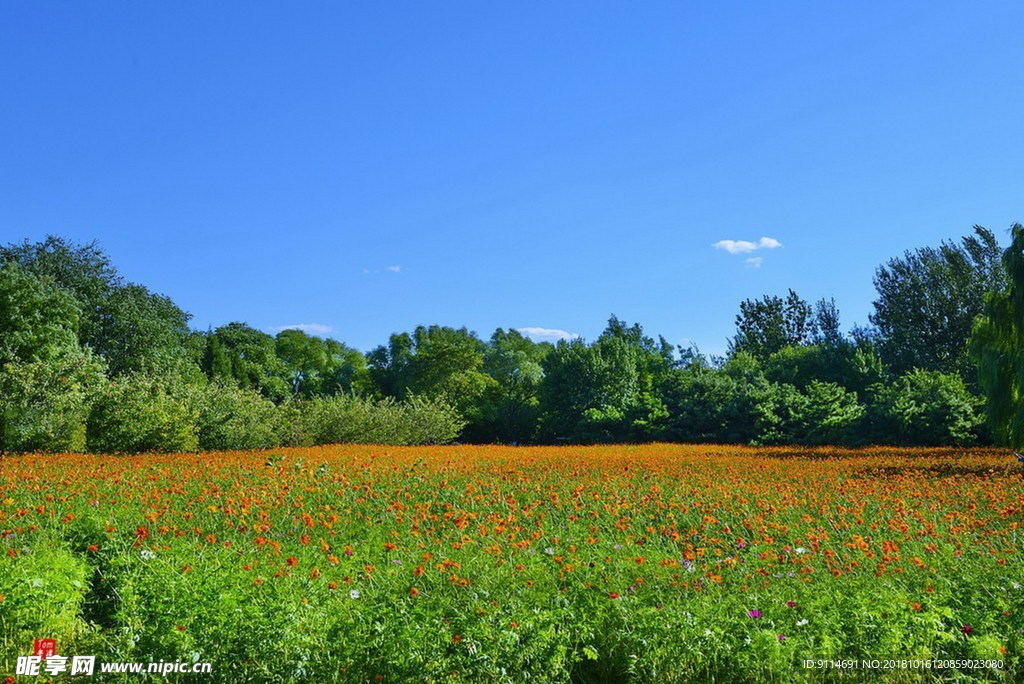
234	418
350	419
44	403
923	407
144	413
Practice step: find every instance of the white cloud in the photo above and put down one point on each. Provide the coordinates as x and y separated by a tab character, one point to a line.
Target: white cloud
394	269
308	328
547	334
746	246
754	262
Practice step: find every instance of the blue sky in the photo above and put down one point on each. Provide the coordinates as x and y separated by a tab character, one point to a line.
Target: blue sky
370	167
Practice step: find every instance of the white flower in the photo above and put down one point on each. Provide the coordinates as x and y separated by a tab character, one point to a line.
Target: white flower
147	554
550	551
353	594
801	549
801	623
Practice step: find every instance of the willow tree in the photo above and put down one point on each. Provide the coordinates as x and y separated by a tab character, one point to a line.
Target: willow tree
997	345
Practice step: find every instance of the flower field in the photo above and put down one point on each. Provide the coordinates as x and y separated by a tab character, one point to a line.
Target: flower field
652	563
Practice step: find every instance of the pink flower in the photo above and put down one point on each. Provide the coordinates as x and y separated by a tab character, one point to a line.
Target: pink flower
791	604
782	638
754	613
967	629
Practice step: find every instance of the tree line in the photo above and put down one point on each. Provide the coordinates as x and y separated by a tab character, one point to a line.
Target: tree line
89	361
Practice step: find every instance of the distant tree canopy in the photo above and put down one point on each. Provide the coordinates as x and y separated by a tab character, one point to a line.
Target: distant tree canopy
928	300
768	325
91	361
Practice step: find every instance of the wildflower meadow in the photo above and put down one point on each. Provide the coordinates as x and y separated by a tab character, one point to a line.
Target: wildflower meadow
456	563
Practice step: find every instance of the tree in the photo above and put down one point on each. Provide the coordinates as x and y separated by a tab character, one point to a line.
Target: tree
511	407
318	366
766	325
608	391
83	271
142	331
46	379
927	302
251	356
436	362
138	412
713	405
825	330
925	408
997	346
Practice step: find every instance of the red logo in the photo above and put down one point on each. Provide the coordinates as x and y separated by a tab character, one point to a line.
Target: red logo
44	648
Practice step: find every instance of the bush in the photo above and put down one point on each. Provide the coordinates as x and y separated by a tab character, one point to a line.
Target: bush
234	418
140	413
350	419
927	408
823	413
44	403
709	406
830	415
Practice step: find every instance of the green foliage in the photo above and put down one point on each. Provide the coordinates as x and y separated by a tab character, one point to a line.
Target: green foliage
708	405
46	379
927	302
37	319
247	357
766	325
44	404
348	419
608	391
997	345
926	408
75	340
830	414
140	331
854	366
233	418
139	413
319	367
83	272
511	407
43	590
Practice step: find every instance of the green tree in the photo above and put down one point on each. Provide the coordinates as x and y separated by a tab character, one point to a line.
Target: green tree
928	300
511	406
252	358
46	379
767	325
925	408
436	362
713	405
84	271
317	366
997	346
229	417
139	331
608	391
138	412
